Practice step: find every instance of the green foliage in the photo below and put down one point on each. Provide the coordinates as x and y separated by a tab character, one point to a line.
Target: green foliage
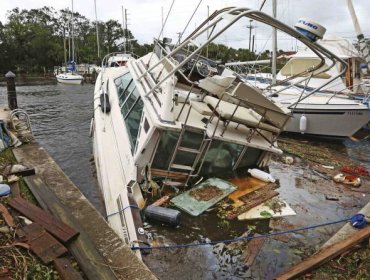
38	39
266	214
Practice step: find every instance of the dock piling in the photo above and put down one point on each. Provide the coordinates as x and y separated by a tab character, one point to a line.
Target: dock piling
12	94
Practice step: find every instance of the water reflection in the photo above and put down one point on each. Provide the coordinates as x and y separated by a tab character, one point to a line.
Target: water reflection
60	117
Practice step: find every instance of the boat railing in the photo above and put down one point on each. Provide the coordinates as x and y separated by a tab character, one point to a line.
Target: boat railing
105	60
233	15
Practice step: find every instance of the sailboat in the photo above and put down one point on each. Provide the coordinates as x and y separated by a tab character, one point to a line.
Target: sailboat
70	77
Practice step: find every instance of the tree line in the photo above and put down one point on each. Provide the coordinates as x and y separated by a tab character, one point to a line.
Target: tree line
36	40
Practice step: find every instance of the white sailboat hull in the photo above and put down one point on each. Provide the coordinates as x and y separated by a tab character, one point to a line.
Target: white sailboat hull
70	79
328	122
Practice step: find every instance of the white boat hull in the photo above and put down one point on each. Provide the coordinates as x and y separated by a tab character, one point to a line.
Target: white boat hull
325	122
69	79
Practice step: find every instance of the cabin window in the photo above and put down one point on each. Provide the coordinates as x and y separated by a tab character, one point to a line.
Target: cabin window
165	149
250	158
132	120
131	106
124	85
222	157
146	125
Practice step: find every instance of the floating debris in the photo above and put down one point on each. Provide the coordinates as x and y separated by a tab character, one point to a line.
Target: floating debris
205	193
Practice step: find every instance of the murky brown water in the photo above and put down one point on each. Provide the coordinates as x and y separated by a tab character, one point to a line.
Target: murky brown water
61	116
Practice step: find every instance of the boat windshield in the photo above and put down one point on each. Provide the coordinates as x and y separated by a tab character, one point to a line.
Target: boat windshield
220	159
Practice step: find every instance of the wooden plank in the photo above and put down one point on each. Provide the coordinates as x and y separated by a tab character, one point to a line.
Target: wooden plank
15	191
253	248
57	228
252	201
7	217
24	173
245	186
65	270
325	255
44	245
82	248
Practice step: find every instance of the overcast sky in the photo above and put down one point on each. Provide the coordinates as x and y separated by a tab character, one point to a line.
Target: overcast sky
145	16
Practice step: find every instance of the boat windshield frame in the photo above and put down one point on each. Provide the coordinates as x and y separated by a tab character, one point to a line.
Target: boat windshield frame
233	15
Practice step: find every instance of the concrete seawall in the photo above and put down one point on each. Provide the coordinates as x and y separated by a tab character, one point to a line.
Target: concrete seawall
116	255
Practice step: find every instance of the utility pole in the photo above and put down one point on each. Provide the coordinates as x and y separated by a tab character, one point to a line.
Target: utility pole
274	45
250	27
97	30
162	22
179	34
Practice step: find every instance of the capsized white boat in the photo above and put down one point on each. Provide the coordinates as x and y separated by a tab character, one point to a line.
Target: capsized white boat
69	78
152	124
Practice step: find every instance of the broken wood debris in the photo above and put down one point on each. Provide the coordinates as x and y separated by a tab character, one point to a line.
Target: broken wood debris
254	199
45	246
253	248
7	217
24	172
57	228
14	188
325	255
65	269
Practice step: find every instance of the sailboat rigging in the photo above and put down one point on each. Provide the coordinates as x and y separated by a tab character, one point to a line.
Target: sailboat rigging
70	77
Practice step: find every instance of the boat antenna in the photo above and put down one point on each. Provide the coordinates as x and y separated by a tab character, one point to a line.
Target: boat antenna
160	34
263	4
124	30
190	19
274	44
97	30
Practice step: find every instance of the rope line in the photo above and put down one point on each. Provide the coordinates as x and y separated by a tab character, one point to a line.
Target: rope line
246	238
122	210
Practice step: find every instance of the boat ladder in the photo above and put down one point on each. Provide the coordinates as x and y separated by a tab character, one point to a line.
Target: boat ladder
21	124
191	169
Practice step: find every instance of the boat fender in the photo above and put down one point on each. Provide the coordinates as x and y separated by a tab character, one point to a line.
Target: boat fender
261	175
303	124
162	214
91	133
104	103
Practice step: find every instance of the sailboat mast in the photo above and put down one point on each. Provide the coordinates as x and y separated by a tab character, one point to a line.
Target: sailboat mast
73	42
360	36
97	30
274	44
69	40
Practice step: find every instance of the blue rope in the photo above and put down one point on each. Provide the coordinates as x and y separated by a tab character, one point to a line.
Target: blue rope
129	206
238	238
